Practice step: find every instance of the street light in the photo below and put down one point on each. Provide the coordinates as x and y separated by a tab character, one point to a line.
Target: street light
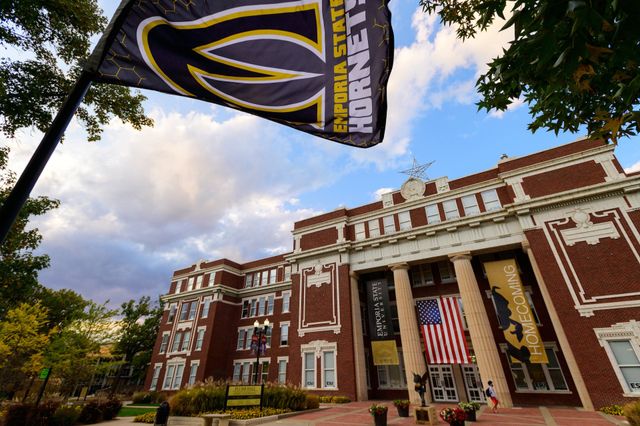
259	343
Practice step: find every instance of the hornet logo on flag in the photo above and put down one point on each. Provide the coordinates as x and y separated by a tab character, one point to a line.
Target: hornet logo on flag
320	66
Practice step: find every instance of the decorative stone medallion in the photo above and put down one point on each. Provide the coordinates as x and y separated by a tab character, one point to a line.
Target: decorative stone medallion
412	189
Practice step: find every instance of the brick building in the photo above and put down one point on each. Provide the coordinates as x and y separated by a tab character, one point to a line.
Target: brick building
568	217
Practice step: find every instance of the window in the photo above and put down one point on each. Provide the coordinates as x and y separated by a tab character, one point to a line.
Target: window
193	309
309	370
405	221
254	307
422	275
287	273
622	344
450	209
433	214
241	337
154	378
212	279
261	306
177	339
249	333
177	381
245	309
173	376
470	204
286	296
264	278
248	280
172	312
236	371
269	332
205	308
199	281
284	334
329	369
176	288
165	343
538	377
199	339
265	371
447	273
273	277
192	373
359	229
184	311
270	300
282	370
374	228
491	200
186	339
190	283
245	372
389	225
392	376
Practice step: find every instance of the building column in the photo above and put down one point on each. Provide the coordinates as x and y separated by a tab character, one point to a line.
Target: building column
484	344
412	355
358	341
581	388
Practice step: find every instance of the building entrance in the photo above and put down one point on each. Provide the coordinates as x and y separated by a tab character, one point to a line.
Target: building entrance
443	385
472	383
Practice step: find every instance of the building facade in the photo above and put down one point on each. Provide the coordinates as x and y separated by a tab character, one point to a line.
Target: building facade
568	217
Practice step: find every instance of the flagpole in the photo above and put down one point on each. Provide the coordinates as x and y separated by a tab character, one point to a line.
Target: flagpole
13	204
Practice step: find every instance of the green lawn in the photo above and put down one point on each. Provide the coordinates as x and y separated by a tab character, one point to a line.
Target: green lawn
131	412
143	405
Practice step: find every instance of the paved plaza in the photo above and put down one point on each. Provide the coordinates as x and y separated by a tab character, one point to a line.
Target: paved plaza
356	413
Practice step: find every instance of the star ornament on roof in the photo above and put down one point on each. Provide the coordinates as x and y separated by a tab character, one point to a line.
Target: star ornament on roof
417	171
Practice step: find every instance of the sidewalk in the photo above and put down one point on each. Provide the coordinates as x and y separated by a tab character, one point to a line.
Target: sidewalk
356	413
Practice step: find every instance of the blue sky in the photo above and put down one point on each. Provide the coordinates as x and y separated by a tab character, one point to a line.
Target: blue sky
207	182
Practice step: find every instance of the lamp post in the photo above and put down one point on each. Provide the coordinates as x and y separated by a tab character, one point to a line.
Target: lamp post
259	343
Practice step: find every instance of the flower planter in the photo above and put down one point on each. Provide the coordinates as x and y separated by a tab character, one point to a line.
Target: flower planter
471	415
380	419
403	411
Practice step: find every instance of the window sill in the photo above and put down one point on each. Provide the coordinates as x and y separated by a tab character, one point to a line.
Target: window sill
631	394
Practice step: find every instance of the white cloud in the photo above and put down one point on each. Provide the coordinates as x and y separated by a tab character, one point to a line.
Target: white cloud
515	104
377	195
635	167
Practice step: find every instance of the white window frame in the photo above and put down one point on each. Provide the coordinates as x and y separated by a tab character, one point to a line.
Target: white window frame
206	305
282	375
317	349
264	278
389	224
172	315
176	289
193	372
433	213
237	368
173	376
212	279
241	343
625	331
422	275
450	208
324	369
200	338
449	267
176	342
248	280
470	205
273	276
385	370
246	372
404	219
164	343
186	341
287	273
184	308
199	281
193	310
547	345
283	325
270	303
156	375
359	231
374	228
491	200
305	357
190	283
287	295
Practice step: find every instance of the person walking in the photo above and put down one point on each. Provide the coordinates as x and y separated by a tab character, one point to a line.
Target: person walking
491	393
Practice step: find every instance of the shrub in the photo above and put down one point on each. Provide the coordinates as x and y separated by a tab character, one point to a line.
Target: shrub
110	408
252	413
145	418
401	403
30	415
17	414
66	415
201	398
632	413
614	410
284	397
469	406
338	399
153	397
312	402
90	413
325	399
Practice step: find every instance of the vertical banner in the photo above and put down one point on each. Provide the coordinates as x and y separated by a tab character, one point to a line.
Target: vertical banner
383	343
514	313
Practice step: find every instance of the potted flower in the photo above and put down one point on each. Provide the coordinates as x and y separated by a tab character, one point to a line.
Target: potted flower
470	409
402	405
379	413
453	415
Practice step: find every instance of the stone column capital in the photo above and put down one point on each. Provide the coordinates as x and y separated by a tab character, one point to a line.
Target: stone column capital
399	266
526	246
354	275
460	256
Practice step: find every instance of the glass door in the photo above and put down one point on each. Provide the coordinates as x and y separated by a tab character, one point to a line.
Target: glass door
473	383
443	385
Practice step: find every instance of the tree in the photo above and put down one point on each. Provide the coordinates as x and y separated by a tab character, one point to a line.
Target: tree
23	338
575	62
139	327
18	265
54	38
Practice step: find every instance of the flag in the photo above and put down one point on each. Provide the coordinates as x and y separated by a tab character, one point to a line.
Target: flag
319	66
442	331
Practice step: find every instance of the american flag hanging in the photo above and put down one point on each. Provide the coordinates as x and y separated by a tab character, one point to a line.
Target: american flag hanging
442	331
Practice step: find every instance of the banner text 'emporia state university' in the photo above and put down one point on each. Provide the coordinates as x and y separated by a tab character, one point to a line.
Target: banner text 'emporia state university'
320	66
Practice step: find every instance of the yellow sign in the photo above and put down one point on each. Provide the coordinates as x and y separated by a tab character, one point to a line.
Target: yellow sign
242	402
245	391
385	352
83	392
514	313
